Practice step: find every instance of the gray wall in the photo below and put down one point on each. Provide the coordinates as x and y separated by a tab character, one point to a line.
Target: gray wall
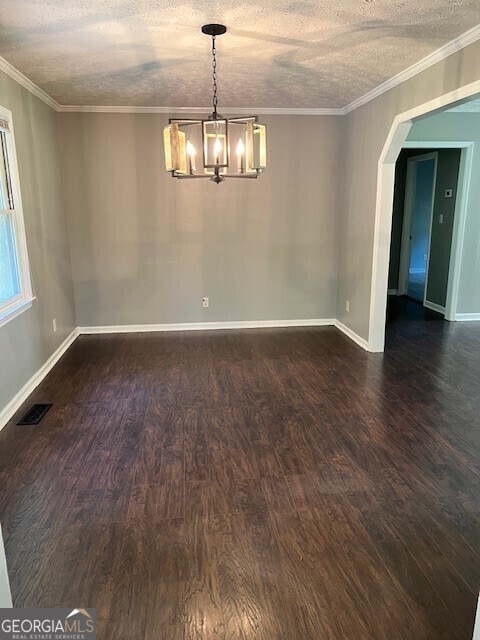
146	248
461	127
27	341
441	236
366	130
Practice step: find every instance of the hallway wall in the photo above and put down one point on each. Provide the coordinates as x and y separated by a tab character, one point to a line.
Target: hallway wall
461	127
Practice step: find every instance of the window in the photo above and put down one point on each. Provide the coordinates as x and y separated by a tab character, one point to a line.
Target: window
15	285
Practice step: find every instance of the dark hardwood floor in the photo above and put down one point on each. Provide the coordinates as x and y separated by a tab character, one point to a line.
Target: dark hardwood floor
265	484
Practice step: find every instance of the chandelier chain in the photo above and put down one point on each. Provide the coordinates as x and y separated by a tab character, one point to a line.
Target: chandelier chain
214	75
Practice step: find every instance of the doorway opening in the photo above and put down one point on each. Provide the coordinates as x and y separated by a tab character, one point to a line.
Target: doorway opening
428	218
457	306
418	197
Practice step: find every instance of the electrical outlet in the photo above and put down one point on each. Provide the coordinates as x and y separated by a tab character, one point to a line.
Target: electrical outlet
54	323
205	303
347	305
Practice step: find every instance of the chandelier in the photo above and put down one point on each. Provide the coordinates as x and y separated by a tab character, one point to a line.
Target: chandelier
230	147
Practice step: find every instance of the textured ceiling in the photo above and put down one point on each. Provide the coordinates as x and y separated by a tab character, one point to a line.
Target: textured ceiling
277	53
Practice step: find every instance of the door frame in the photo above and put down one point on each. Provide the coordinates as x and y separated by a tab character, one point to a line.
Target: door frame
406	243
396	138
459	218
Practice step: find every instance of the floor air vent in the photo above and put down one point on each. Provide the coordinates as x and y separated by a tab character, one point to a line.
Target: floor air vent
35	414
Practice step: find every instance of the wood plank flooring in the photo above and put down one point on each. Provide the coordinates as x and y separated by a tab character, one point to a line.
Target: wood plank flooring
265	484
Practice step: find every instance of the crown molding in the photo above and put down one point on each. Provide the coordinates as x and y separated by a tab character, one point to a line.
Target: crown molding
469	37
27	84
278	111
67	108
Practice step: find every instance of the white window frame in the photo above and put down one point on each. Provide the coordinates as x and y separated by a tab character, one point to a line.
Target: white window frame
13	307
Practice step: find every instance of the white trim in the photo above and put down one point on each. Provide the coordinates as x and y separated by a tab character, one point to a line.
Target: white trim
16	402
25	297
384	201
16	75
453	46
206	326
440	54
458	231
15	310
382	234
434	307
279	111
467	317
352	335
430	226
436	144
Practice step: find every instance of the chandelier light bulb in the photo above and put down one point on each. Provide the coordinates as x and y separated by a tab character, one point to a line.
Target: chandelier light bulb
191	158
240	155
217	150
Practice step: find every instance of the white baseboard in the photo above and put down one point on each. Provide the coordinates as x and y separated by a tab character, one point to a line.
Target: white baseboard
434	307
207	326
15	403
352	335
467	317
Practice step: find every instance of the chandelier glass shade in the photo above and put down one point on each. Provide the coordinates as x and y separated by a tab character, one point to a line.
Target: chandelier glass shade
216	147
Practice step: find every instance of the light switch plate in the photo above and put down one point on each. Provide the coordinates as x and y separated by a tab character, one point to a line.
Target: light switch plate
448	193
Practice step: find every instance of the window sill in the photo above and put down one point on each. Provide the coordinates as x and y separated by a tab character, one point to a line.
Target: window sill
15	310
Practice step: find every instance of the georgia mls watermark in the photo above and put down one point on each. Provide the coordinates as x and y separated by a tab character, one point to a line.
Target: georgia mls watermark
48	624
